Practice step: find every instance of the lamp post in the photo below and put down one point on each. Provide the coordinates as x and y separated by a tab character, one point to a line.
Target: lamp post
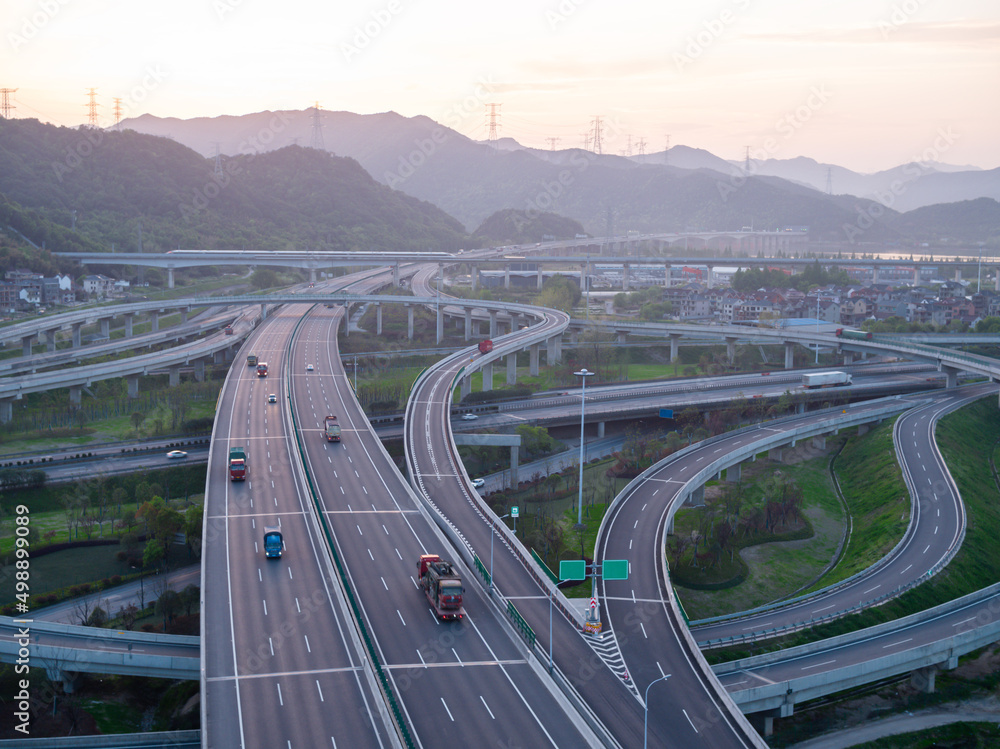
142	592
645	704
817	325
583	374
494	532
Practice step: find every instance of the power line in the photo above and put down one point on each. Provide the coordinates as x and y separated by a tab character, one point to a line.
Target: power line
92	107
5	105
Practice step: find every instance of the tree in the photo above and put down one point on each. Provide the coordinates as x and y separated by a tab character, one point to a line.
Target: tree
127	616
137	418
193	528
264	278
168	605
190	598
153	554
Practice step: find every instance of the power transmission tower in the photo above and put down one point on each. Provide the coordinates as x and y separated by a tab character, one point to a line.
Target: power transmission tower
596	134
627	151
118	112
829	181
746	160
552	143
642	146
317	141
5	105
492	122
586	140
218	160
92	107
666	151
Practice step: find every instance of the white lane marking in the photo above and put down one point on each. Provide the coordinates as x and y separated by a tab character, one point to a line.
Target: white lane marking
280	700
370	555
643	630
270	644
894	644
401	618
447	710
816	611
320	690
259	578
359	529
871	589
630	544
817	665
689	719
643	508
308	648
399	555
385	529
297	607
421	658
383	583
265	608
755	626
364	490
487	708
926	548
458	659
935	530
939	510
660	668
964	621
907	567
290	574
636	525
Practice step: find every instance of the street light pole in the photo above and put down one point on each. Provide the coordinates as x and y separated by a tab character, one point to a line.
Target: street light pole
645	704
491	553
583	374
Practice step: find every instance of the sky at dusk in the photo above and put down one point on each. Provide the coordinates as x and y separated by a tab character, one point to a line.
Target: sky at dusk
866	84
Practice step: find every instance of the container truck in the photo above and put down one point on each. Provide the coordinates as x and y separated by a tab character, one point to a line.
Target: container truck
485	346
229	330
237	464
262	369
825	379
442	585
272	542
855	335
332	429
252	360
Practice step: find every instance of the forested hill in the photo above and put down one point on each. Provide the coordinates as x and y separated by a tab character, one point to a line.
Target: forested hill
120	186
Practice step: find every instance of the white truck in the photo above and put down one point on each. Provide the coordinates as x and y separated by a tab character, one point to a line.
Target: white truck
812	380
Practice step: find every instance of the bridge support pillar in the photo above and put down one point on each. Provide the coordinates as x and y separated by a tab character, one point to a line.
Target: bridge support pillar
395	275
466	387
696	498
26	344
626	276
487	377
674	346
154	319
474	276
199	370
666	276
916	276
506	276
951	374
789	355
493	323
409	322
175	376
378	319
170	278
76	334
819	442
6	410
219	357
439	326
863	429
514	456
622	336
50	338
512	368
468	323
263	311
551	355
347	320
600	430
734	473
997	281
574	336
958	274
133	386
184	315
69	679
540	280
533	360
775	453
475	329
923	679
730	350
312	275
75	397
800	407
848	358
105	327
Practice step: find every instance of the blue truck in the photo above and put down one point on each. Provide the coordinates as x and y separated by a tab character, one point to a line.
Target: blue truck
272	542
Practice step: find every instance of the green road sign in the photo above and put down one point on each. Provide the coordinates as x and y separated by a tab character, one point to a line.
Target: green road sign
615	569
572	569
514	511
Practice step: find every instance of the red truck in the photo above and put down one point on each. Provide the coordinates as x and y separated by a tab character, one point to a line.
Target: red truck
485	346
237	464
442	585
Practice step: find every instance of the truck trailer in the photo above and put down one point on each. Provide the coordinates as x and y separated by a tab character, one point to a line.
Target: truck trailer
332	429
854	335
252	360
237	464
262	369
272	542
442	585
485	346
825	379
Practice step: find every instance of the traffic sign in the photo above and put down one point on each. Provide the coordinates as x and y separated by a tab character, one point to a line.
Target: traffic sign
572	569
615	569
514	511
666	413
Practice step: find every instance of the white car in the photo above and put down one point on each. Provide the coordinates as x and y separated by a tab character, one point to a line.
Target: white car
469	417
272	398
309	367
176	454
479	483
